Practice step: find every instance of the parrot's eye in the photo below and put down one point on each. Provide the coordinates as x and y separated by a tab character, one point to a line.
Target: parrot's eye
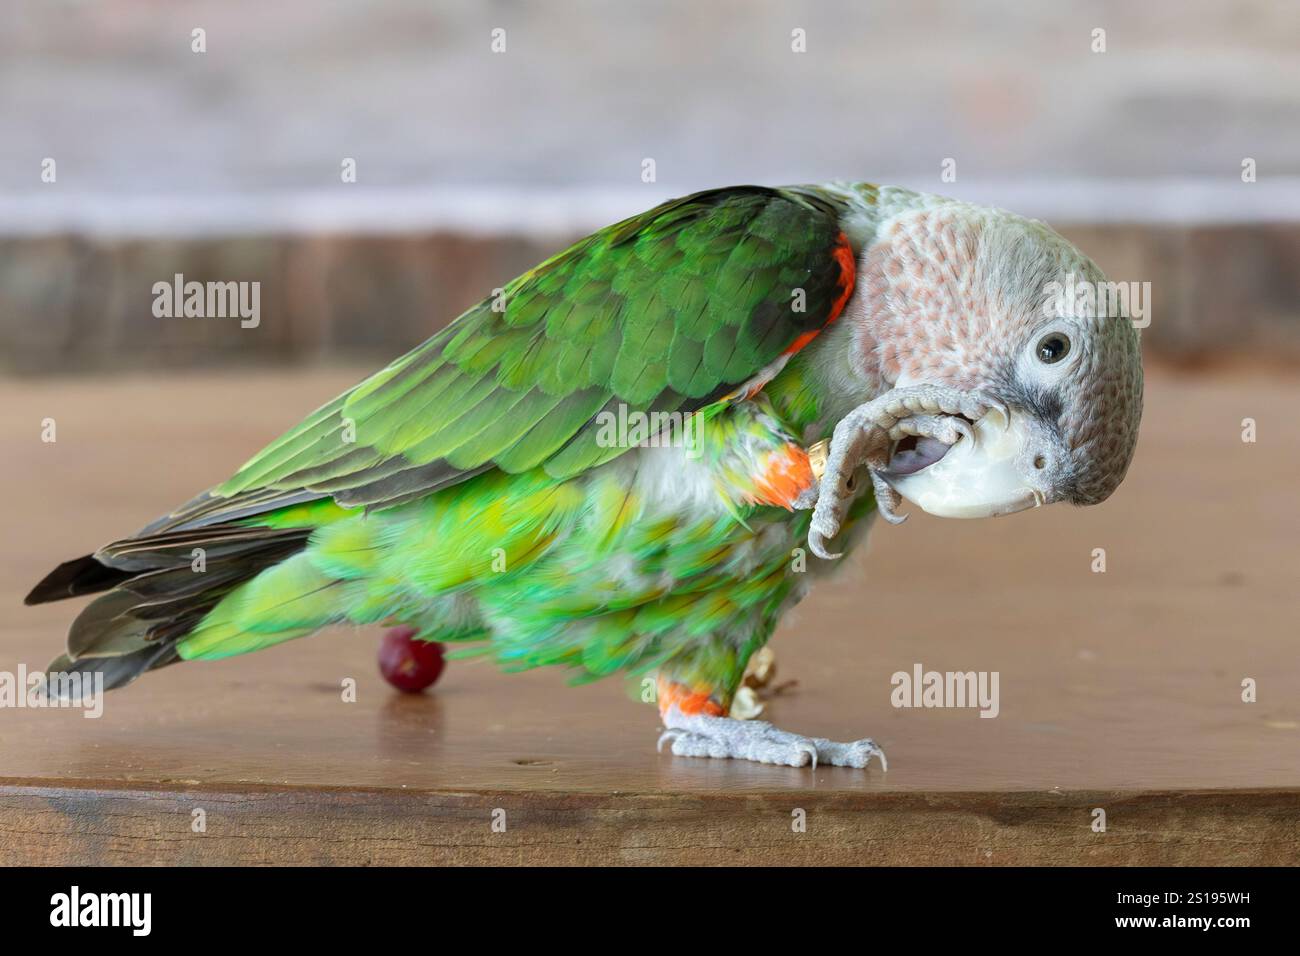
1052	348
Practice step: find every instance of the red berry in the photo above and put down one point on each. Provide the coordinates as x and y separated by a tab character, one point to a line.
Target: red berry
408	664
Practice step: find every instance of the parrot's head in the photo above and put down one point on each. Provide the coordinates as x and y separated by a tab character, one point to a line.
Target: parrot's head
987	301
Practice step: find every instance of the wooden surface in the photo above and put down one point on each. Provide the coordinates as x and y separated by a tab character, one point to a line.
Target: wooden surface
1119	690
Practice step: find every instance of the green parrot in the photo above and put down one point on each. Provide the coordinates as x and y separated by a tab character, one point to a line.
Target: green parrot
634	458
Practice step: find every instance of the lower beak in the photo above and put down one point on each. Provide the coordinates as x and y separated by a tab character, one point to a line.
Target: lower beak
975	479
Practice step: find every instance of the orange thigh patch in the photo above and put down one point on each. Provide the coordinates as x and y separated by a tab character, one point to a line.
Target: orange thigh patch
689	700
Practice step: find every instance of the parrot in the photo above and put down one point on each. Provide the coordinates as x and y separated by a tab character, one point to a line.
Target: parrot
637	456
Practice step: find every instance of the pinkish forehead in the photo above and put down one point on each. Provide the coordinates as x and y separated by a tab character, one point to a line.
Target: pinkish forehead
928	294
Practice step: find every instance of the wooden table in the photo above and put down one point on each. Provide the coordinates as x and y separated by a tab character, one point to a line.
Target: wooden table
1119	690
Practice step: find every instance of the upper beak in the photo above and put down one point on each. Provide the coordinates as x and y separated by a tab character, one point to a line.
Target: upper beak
979	479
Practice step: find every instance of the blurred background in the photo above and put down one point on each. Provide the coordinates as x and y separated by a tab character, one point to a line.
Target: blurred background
1125	125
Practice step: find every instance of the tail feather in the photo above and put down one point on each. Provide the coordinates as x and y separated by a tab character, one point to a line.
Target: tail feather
175	549
117	671
83	575
156	593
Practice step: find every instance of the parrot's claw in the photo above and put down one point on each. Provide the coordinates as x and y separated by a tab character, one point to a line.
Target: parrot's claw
983	403
703	736
945	428
820	533
855	754
887	499
667	735
866	435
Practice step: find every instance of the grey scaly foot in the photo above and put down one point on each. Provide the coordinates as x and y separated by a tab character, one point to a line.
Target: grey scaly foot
864	436
703	736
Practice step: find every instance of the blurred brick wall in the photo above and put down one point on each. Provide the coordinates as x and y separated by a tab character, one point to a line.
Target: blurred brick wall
71	304
81	303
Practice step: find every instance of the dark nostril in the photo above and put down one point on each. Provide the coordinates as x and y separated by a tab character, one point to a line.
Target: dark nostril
1040	462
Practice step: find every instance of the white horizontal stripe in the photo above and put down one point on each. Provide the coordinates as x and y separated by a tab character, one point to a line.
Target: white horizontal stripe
478	211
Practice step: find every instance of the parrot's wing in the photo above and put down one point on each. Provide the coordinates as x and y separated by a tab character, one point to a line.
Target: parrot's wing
669	310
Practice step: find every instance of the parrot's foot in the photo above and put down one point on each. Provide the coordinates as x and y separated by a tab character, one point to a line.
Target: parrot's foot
698	735
865	436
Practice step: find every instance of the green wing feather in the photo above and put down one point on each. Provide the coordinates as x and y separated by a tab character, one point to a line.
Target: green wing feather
670	309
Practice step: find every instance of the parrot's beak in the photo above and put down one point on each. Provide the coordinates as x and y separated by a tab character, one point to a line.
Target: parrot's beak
975	479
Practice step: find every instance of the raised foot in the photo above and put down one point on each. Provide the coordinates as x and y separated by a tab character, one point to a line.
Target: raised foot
865	436
757	740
